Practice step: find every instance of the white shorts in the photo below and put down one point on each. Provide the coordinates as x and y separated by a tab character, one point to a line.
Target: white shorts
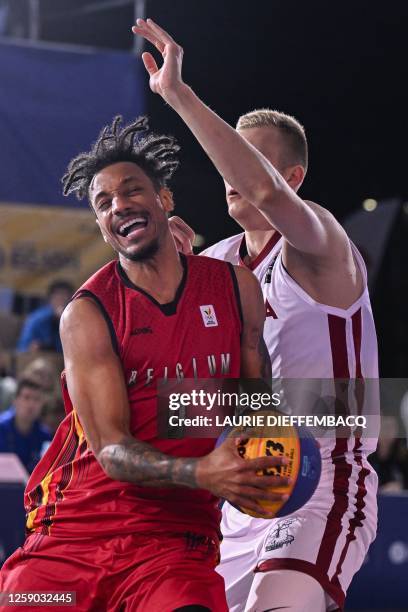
327	539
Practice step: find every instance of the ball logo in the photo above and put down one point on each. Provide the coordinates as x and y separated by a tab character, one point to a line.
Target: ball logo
208	315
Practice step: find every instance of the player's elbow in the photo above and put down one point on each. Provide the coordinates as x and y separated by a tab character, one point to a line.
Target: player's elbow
111	459
266	194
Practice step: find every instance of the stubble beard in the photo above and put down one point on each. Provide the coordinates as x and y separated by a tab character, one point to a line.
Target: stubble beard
145	253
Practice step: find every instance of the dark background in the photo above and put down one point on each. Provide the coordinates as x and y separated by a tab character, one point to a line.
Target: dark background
338	67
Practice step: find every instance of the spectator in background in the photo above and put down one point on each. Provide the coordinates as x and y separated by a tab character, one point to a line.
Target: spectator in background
44	373
390	460
21	431
53	413
8	384
41	328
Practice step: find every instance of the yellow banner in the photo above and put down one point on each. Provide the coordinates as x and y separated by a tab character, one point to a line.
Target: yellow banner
40	244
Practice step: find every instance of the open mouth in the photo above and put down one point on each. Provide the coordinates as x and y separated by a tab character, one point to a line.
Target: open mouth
232	193
131	226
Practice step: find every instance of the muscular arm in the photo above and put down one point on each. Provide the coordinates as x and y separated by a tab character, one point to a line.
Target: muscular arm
316	249
305	227
98	392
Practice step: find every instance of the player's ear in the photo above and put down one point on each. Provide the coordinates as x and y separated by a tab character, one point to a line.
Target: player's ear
166	198
294	176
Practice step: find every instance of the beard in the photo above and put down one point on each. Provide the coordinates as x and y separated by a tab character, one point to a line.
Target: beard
145	253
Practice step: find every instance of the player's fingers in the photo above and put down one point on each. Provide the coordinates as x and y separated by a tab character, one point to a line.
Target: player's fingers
186	246
249	504
150	63
230	444
183	245
182	239
263	463
155	37
258	494
148	35
161	34
183	226
179	246
267	482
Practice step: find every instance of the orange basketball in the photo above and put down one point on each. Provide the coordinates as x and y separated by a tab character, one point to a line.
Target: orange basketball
304	467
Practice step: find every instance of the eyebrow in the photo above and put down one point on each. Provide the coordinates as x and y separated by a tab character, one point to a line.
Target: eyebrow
124	181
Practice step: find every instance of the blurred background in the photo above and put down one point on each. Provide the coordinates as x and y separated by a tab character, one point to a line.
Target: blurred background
68	66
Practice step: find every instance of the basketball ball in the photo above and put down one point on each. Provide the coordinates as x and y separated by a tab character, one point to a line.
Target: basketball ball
304	467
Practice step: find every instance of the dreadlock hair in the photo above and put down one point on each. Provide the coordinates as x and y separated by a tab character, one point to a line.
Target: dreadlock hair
155	155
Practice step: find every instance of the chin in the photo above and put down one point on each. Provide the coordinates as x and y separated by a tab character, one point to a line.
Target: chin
237	212
142	253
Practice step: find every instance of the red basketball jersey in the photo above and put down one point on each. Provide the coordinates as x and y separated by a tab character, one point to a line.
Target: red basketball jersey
195	336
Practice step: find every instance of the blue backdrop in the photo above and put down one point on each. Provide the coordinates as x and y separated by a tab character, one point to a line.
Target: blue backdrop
53	104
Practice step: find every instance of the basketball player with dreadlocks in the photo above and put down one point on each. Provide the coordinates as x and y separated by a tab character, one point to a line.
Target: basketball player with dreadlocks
319	325
127	520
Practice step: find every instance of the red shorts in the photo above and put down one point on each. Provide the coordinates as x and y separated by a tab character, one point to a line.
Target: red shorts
143	573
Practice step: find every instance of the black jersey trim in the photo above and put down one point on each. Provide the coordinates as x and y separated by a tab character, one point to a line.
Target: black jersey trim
236	291
170	308
112	333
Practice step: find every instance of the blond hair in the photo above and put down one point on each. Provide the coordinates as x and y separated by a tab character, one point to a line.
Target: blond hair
292	131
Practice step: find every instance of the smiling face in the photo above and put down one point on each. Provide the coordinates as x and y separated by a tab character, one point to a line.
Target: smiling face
130	212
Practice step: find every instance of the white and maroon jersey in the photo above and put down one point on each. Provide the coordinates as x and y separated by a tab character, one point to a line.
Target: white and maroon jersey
306	339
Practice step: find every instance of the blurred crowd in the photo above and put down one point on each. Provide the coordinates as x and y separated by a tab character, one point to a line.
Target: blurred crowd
391	457
31	405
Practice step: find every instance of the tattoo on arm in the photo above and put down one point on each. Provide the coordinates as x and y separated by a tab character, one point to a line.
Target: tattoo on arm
266	368
140	463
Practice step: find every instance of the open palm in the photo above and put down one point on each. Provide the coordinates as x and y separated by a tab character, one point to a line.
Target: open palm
167	78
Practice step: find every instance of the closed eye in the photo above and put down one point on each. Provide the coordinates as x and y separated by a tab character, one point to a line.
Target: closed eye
103	205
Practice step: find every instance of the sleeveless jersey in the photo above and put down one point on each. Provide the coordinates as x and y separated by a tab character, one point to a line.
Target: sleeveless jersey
306	339
195	336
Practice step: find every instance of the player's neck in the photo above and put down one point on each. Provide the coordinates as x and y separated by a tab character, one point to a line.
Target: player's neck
160	276
256	240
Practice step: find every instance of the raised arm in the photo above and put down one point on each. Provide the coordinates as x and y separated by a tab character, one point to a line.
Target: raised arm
97	388
307	227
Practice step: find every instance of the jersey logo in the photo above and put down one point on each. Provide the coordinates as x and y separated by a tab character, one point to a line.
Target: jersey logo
209	316
270	311
141	330
280	536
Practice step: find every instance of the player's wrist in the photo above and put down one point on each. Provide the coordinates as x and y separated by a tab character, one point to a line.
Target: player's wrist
178	96
184	472
201	473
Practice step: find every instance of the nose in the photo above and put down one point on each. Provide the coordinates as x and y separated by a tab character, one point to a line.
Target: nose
120	204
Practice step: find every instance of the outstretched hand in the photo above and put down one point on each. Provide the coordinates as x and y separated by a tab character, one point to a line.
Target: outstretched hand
167	79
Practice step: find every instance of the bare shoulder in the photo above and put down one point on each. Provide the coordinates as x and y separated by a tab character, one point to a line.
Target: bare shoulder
79	313
250	292
247	281
83	326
